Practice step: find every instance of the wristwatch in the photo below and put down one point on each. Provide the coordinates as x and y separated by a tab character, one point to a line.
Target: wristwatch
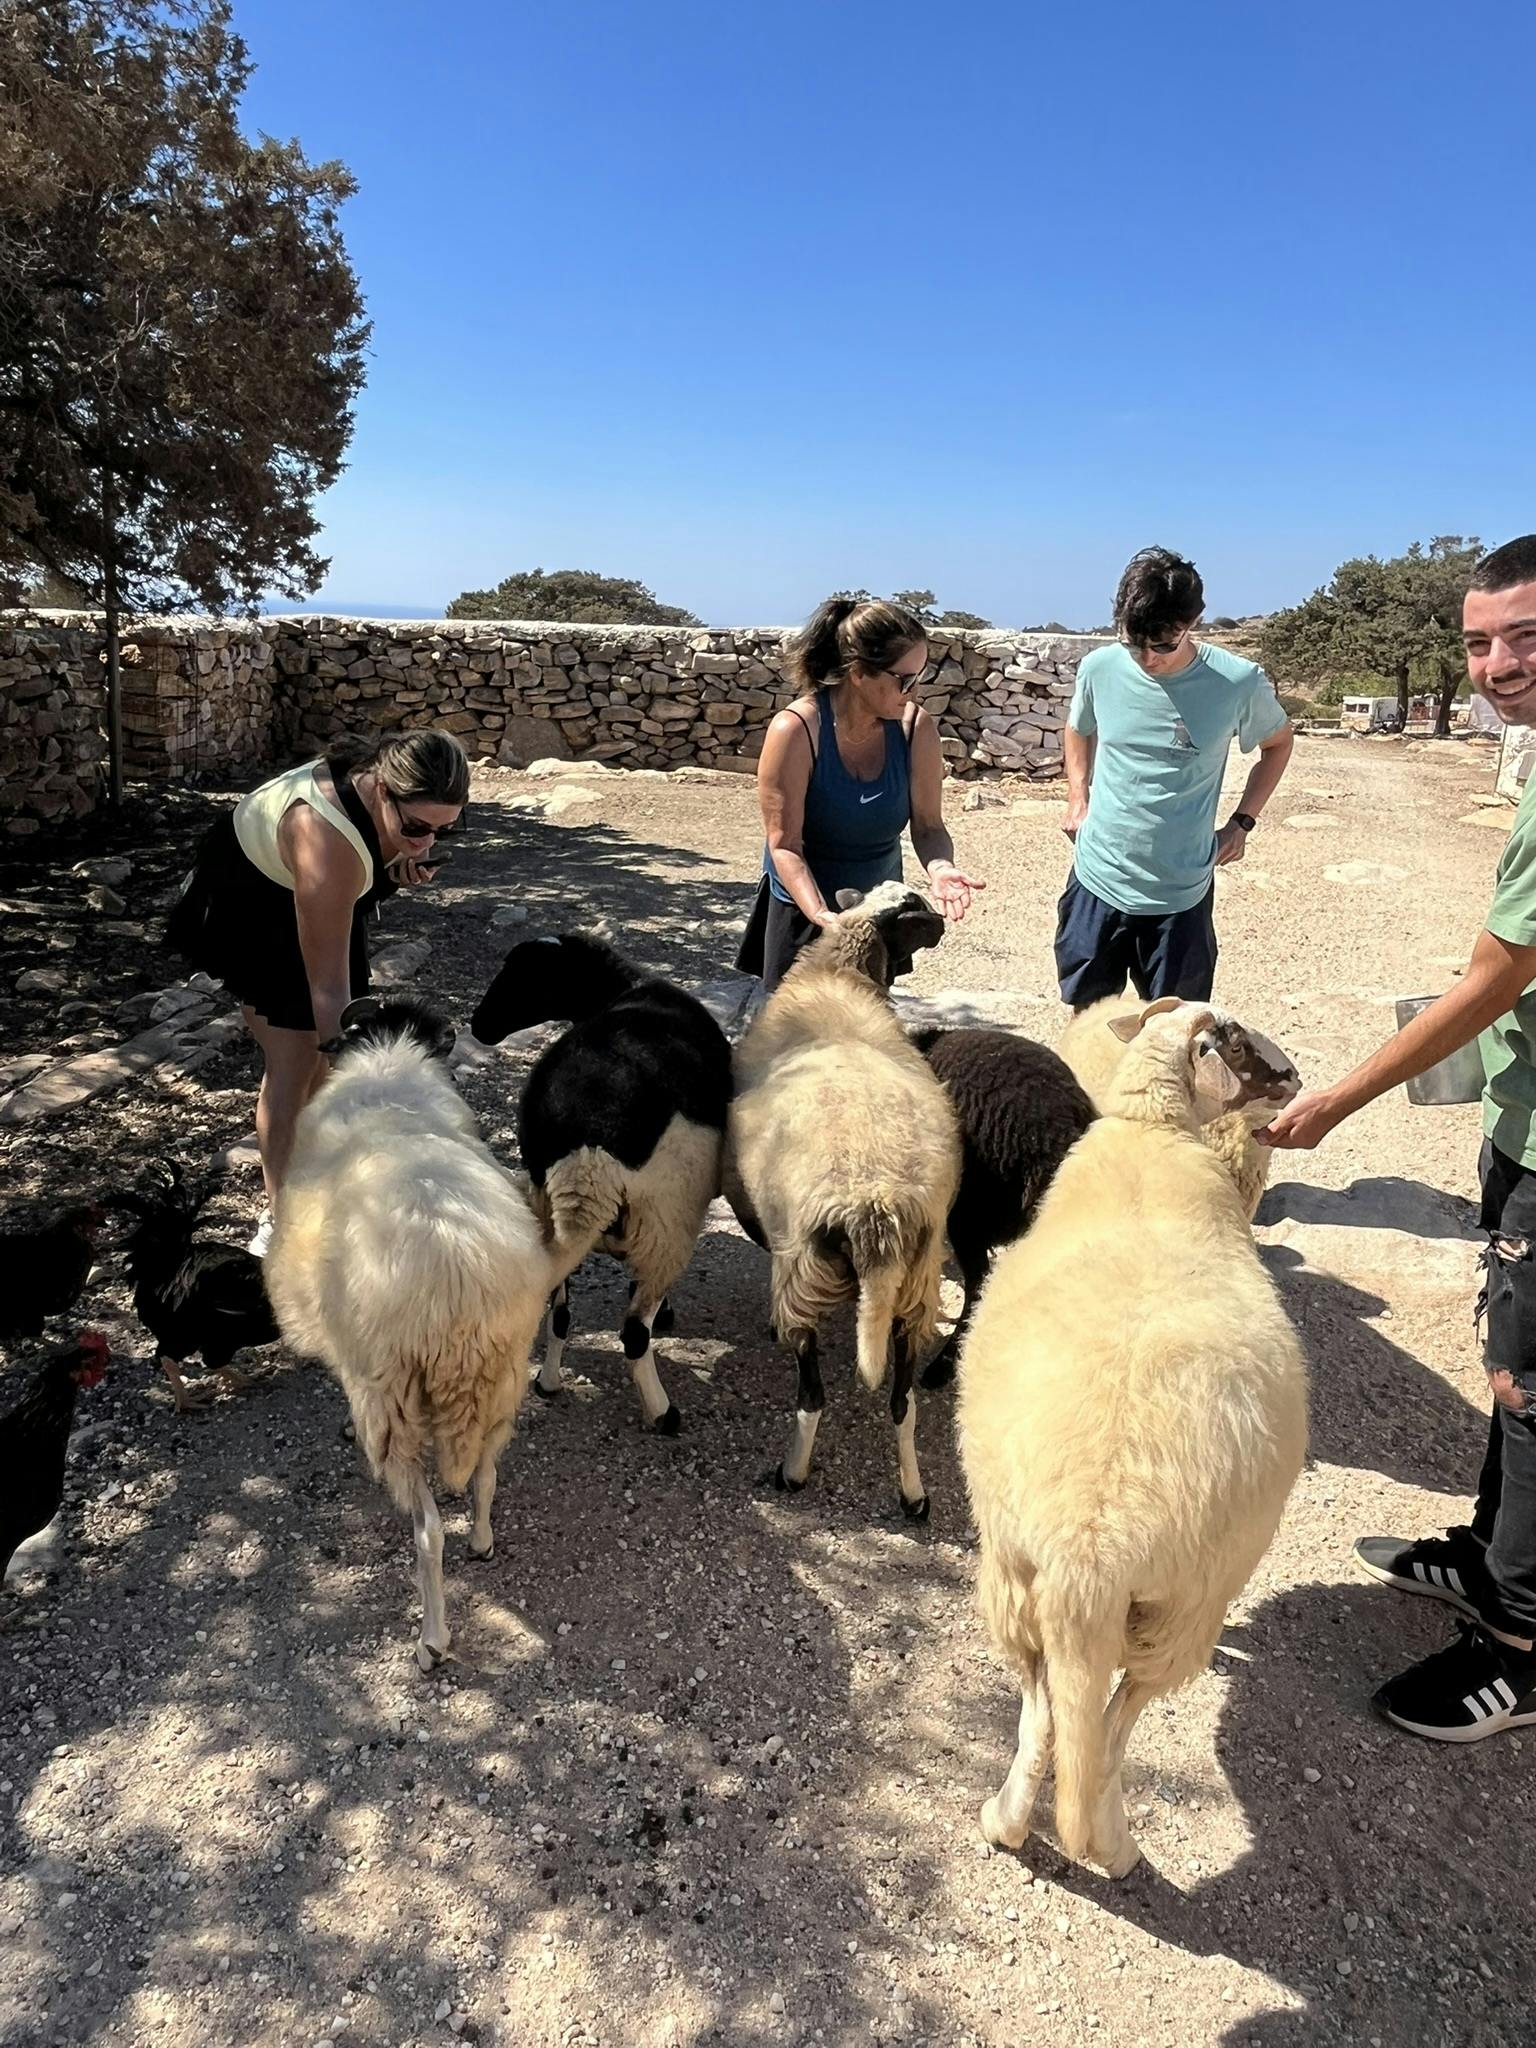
1245	820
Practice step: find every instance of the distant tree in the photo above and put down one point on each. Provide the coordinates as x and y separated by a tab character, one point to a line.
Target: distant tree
181	335
1221	623
577	597
1398	619
918	602
1050	626
964	622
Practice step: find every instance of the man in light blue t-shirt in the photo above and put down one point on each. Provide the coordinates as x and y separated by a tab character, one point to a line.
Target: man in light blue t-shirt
1146	746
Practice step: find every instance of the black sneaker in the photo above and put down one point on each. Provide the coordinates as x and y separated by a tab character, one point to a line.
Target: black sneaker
1476	1687
1448	1567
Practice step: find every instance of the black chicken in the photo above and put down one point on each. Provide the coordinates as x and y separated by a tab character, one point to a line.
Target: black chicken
196	1297
34	1434
43	1271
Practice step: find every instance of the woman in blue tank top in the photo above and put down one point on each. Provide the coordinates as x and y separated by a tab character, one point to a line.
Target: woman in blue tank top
851	765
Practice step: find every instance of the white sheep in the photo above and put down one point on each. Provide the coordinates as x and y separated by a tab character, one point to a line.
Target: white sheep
1132	1416
411	1264
1093	1051
842	1157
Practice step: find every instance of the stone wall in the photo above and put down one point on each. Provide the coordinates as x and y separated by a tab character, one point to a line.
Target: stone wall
50	742
222	701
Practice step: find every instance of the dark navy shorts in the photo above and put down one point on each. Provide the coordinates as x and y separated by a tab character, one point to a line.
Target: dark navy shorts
1097	947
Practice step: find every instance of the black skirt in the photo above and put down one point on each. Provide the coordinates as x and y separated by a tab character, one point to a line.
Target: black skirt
774	935
236	924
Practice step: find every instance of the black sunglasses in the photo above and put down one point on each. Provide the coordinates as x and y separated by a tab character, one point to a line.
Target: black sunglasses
417	828
903	680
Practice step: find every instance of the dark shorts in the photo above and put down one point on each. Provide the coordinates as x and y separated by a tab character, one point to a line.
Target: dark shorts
1505	1517
1097	947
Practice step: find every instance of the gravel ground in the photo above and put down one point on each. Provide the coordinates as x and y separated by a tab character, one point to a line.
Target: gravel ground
706	1764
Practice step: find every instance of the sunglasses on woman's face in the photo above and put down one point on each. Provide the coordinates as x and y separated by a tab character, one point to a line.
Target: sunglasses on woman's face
1167	646
904	679
418	828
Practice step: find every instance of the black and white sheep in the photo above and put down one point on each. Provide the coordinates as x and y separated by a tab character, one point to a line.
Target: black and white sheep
1019	1109
620	1128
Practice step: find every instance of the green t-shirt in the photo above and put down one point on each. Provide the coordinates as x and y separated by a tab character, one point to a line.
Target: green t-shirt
1508	1045
1148	844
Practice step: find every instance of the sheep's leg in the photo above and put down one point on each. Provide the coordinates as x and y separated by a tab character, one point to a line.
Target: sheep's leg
659	1410
482	1543
427	1525
1112	1844
940	1370
1005	1817
914	1502
550	1379
809	1402
664	1321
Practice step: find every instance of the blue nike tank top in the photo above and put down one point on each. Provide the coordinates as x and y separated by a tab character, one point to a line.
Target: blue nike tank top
851	837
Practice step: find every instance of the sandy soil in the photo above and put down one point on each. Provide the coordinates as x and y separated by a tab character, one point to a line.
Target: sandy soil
707	1763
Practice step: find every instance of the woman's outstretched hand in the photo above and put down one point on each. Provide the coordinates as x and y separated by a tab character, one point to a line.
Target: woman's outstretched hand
952	891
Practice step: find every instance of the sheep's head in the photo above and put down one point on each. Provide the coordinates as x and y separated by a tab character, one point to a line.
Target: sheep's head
878	933
1231	1068
386	1020
572	975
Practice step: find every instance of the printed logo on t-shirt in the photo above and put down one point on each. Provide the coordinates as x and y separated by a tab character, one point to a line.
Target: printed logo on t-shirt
1181	737
872	799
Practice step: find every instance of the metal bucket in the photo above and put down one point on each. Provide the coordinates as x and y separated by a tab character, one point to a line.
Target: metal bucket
1457	1078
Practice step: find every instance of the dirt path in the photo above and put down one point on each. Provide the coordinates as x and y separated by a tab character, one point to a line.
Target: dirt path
707	1764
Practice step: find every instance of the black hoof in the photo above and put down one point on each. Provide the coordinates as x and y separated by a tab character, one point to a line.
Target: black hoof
668	1424
480	1556
939	1371
786	1485
915	1510
664	1321
547	1393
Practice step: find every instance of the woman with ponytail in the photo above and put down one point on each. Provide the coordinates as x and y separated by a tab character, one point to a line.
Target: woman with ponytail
276	905
851	765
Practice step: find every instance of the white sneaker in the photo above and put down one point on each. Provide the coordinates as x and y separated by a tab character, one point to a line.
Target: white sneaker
261	1242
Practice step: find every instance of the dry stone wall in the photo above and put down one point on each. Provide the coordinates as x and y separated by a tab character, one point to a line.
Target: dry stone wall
221	700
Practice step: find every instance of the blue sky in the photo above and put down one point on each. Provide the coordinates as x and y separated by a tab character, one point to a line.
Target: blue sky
757	301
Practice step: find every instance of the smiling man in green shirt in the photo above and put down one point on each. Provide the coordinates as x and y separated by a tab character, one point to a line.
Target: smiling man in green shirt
1485	1681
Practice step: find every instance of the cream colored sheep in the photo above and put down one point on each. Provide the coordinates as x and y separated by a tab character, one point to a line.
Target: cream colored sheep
842	1157
1093	1052
410	1263
1132	1416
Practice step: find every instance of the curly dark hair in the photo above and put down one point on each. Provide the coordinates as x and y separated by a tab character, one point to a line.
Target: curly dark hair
1160	595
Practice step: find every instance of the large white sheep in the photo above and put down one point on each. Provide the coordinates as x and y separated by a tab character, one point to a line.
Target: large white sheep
1093	1050
842	1157
411	1264
1132	1416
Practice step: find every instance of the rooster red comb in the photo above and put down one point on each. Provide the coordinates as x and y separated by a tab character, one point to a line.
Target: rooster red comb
94	1353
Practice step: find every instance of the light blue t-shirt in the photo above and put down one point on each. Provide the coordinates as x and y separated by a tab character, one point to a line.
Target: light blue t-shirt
1148	845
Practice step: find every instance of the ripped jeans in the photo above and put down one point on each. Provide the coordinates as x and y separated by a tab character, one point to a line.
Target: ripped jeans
1505	1518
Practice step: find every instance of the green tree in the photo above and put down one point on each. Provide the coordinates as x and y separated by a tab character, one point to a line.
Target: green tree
964	622
1397	619
181	334
578	597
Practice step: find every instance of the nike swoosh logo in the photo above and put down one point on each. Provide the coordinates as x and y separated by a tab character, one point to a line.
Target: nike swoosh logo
872	799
